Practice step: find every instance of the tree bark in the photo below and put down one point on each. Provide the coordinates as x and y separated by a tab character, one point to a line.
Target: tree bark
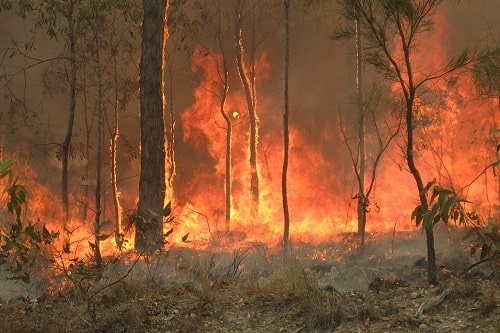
100	138
66	146
286	139
149	220
429	232
252	113
119	236
362	199
229	128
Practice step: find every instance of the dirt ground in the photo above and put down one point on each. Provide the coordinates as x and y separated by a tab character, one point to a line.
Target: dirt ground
322	288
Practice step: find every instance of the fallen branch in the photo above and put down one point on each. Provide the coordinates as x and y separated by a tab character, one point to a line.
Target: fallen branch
478	263
299	329
434	302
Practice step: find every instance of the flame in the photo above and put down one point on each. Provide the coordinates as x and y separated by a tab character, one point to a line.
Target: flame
453	146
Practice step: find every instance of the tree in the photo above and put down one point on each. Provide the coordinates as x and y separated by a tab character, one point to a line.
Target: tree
69	14
224	78
286	136
395	26
250	96
365	169
48	15
149	219
95	20
368	107
362	194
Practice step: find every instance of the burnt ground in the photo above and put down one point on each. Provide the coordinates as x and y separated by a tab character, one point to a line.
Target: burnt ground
323	288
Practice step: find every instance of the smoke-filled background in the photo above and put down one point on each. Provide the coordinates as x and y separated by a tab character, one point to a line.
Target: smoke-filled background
452	141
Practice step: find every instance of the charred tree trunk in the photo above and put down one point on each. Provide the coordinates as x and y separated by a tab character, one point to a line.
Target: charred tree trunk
286	143
119	236
149	220
245	80
66	146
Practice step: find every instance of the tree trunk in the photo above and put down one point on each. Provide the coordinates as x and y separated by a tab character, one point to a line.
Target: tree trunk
429	232
119	236
149	220
171	170
251	101
228	159
227	119
286	142
88	131
362	200
100	132
66	146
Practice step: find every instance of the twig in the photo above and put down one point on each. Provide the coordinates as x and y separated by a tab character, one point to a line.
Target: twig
121	278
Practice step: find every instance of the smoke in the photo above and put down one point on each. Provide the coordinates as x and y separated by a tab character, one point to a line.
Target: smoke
322	85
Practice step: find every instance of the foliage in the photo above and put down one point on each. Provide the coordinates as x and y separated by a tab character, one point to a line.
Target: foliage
444	204
487	239
18	244
486	71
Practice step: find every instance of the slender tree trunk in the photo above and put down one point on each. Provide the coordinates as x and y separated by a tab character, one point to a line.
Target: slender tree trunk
227	119
171	135
362	199
149	222
429	232
66	146
228	155
88	130
114	181
251	101
100	132
286	143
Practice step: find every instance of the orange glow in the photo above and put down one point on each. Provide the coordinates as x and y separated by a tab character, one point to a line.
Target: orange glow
453	147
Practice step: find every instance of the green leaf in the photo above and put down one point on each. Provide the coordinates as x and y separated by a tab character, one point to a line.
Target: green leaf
494	132
471	232
5	168
416	212
19	245
445	212
102	237
169	232
106	224
427	187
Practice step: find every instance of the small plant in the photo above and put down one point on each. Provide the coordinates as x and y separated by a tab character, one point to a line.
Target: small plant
486	238
444	204
21	239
